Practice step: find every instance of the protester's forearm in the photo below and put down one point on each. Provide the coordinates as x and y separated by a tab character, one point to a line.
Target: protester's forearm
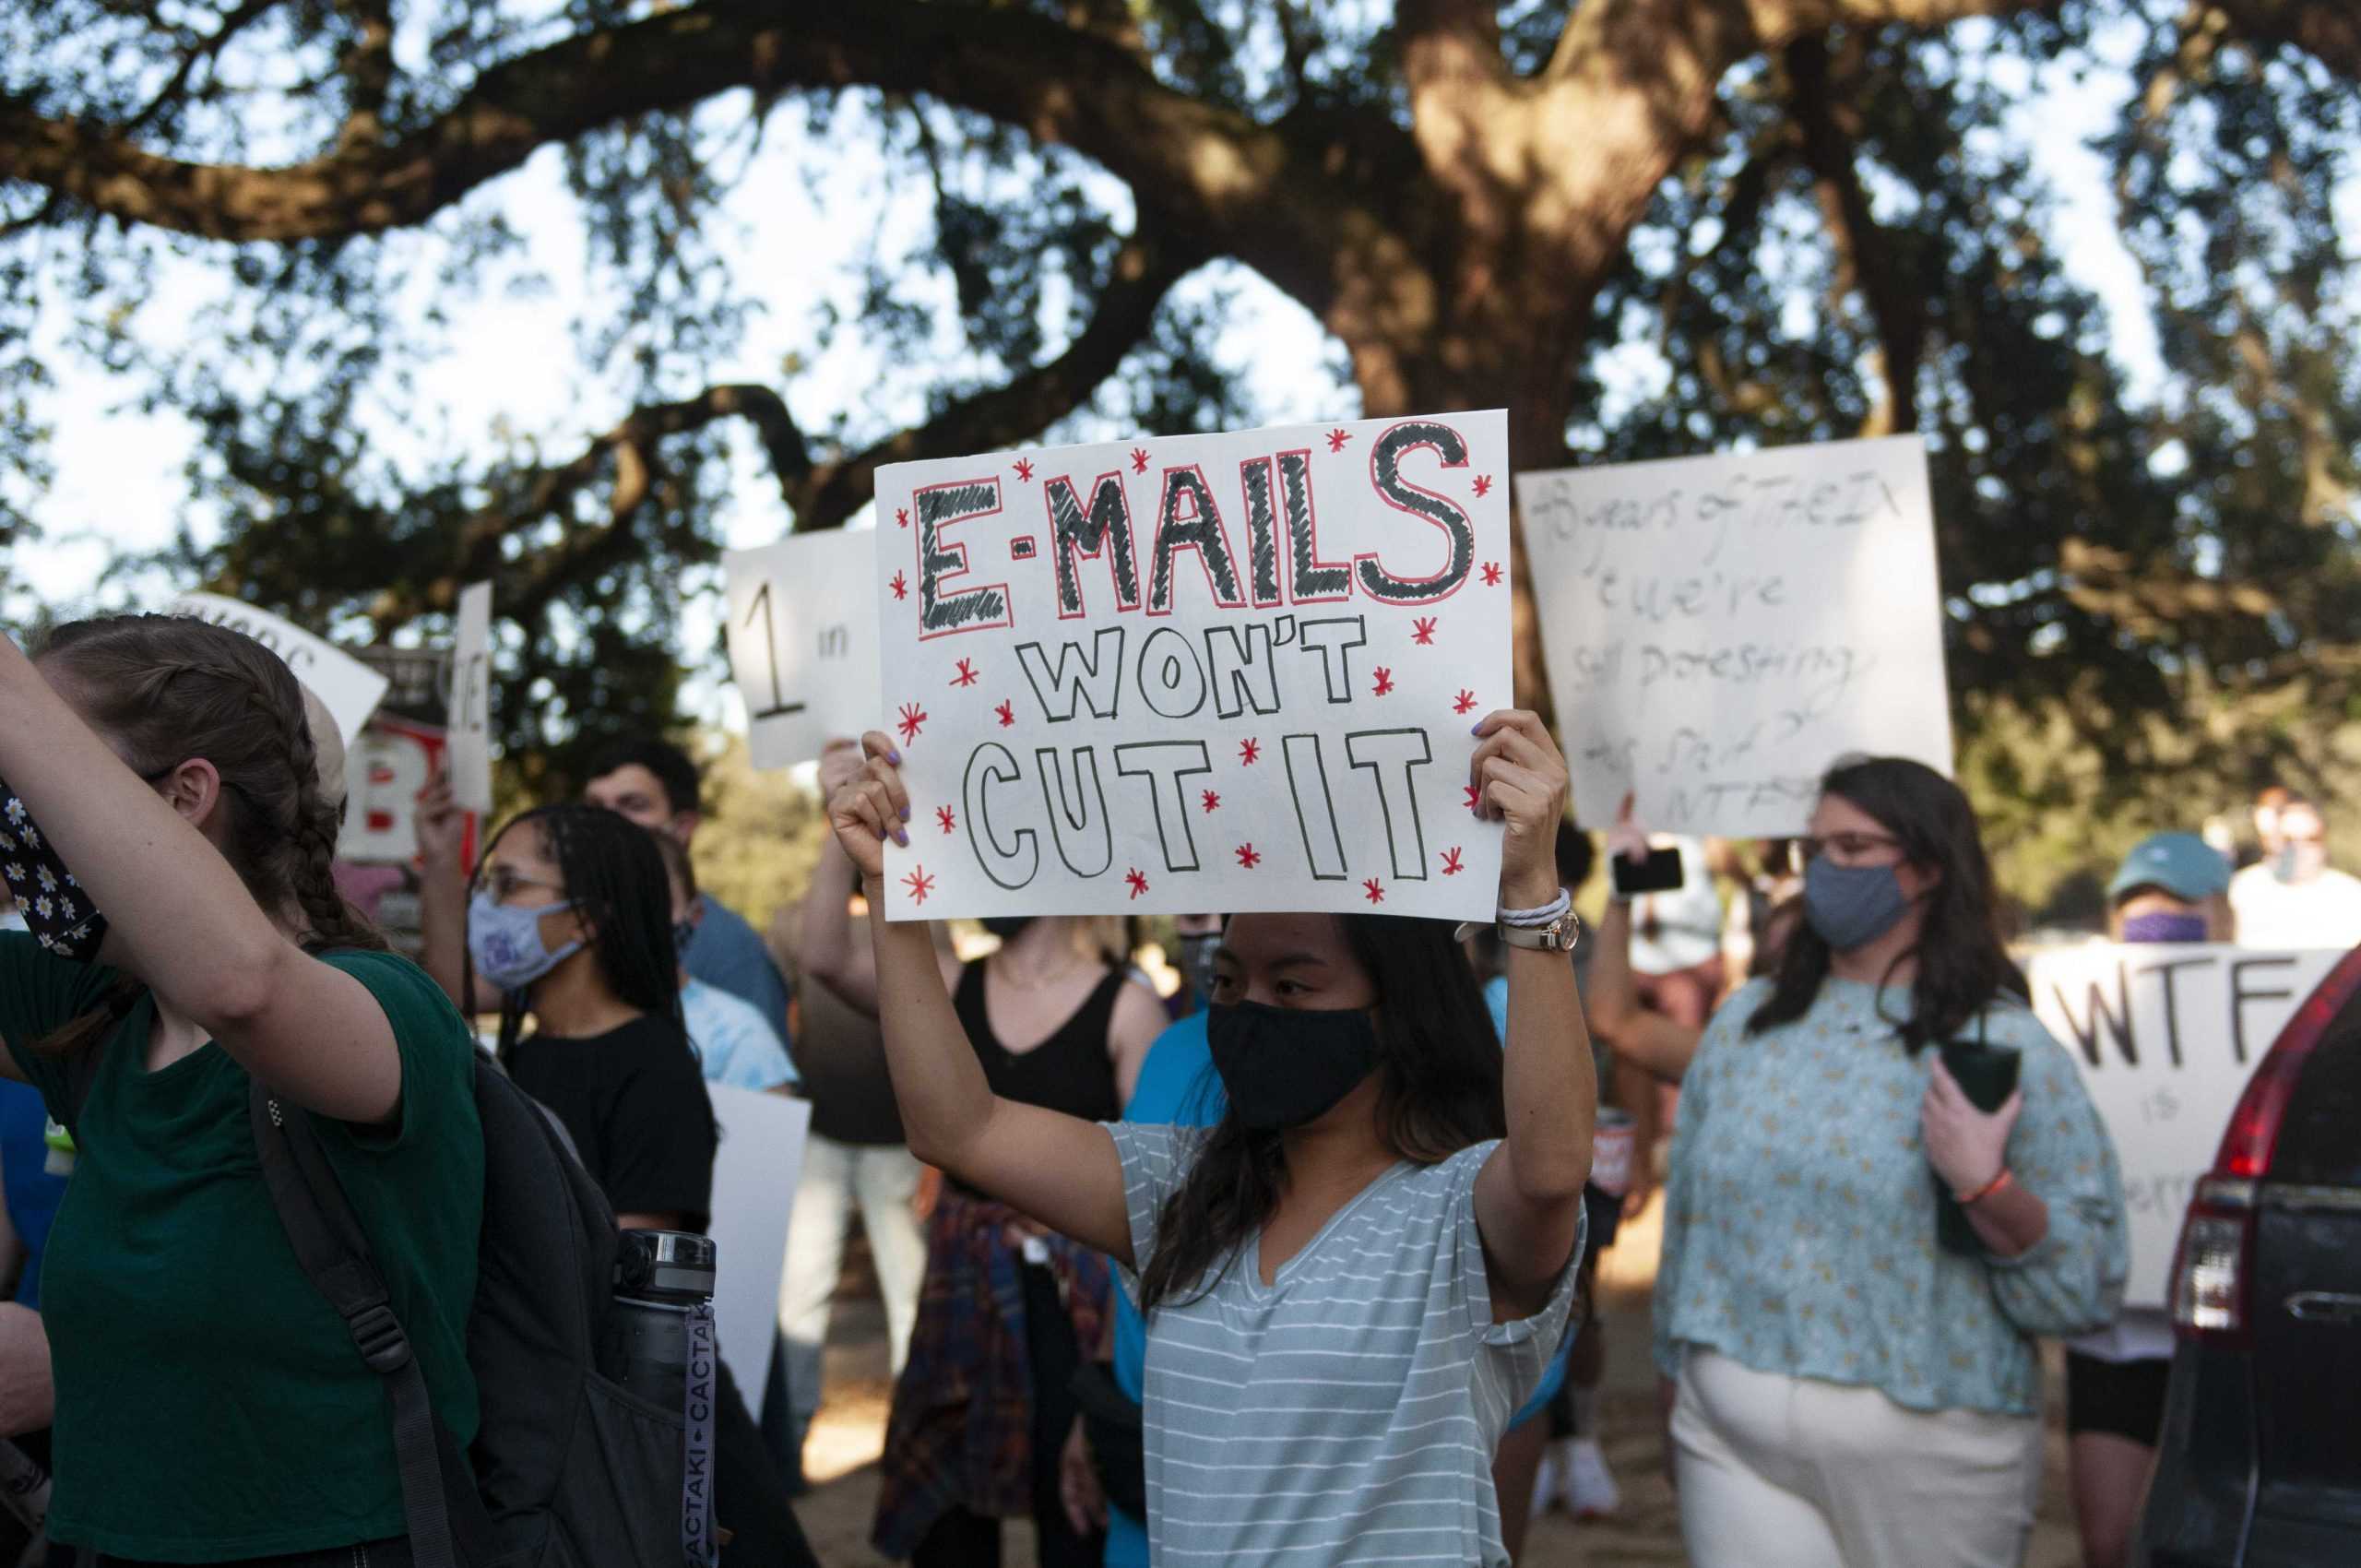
443	930
1548	1084
1612	997
937	1082
149	872
2010	1221
826	951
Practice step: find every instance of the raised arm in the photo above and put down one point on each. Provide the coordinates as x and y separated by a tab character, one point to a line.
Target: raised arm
1059	1169
180	917
824	948
443	897
1529	1194
1642	1035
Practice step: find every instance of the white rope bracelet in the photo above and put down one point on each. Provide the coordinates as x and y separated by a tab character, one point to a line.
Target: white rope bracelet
1548	914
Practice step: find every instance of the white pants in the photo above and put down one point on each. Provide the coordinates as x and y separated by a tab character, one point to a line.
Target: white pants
1788	1472
882	1179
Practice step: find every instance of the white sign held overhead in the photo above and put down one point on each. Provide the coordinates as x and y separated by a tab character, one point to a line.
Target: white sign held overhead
2167	1036
1719	630
756	1171
349	688
804	641
470	726
1225	671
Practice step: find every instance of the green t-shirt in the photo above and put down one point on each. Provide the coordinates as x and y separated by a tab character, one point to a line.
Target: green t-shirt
211	1405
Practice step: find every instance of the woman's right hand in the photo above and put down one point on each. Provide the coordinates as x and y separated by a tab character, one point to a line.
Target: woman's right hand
1627	837
871	807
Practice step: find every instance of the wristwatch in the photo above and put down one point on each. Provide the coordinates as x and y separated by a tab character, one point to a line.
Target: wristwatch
1559	936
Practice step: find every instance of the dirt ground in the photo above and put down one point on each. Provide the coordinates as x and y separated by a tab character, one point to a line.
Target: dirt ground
841	1457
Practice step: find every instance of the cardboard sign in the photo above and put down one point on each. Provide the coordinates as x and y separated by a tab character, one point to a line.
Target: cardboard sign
755	1172
349	688
2166	1037
471	720
1719	630
804	641
1201	673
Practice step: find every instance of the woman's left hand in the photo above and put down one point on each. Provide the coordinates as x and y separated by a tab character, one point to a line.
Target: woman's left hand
1966	1147
1520	779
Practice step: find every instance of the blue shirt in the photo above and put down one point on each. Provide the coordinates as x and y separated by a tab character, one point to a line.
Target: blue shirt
734	1043
1799	1217
33	1192
727	952
1178	1087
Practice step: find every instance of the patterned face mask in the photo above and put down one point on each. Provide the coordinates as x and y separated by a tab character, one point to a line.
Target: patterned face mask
56	911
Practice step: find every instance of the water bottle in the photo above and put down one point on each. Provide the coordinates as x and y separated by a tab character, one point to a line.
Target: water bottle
663	1279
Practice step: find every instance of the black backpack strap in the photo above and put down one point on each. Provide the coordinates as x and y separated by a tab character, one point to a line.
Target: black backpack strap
334	1253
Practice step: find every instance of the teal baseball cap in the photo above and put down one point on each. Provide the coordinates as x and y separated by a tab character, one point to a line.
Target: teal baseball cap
2180	863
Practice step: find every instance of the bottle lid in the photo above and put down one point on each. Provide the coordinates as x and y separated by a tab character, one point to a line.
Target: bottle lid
666	1263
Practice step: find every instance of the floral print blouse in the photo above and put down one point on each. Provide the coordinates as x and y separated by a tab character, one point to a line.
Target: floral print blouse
1799	1217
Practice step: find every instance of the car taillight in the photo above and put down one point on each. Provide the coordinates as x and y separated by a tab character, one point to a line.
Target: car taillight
2213	1267
2210	1271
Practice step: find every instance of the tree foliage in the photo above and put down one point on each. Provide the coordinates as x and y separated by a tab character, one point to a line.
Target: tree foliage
1649	227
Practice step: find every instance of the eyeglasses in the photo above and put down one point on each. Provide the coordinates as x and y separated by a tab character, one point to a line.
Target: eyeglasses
505	884
1849	848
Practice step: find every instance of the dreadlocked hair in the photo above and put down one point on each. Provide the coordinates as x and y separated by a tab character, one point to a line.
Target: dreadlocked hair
168	688
614	877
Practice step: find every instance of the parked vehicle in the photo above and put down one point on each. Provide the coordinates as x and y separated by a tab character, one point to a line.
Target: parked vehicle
2259	1464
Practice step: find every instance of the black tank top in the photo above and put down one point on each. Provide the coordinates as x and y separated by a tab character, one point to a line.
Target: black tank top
1070	1071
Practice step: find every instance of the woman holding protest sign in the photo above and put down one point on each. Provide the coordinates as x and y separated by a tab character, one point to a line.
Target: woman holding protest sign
1887	1183
1352	1279
169	840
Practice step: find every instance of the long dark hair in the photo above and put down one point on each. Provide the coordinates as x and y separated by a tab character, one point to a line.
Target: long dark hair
167	688
1440	1066
1963	968
615	876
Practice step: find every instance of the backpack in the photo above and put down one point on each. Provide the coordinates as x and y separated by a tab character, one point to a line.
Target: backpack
567	1469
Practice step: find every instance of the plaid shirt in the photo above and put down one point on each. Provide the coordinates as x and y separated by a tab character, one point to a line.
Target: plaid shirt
961	1432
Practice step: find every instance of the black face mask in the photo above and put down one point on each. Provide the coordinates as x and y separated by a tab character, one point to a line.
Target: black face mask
1286	1067
1006	927
55	909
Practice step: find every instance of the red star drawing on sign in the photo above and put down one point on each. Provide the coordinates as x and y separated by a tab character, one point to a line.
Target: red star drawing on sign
1336	439
1212	801
1463	703
919	885
1007	712
1483	486
1451	866
1492	574
1384	686
1139	459
1025	469
1248	750
967	676
901	517
1138	880
1374	890
944	815
1422	631
913	717
900	585
1247	858
1475	798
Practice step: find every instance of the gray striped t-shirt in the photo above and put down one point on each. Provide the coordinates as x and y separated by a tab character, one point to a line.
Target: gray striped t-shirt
1347	1413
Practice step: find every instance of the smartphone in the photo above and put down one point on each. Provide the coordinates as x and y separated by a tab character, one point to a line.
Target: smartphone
1660	872
1987	1076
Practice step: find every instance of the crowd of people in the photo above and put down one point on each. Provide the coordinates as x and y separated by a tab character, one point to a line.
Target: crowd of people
1294	1264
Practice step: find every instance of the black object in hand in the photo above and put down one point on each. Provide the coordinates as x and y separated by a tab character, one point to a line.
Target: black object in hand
1660	872
1987	1076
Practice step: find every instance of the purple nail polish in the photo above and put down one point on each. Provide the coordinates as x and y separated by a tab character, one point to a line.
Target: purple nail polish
1478	730
902	839
894	758
906	814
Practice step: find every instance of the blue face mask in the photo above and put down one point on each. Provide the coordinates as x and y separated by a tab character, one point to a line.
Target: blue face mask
1851	907
506	942
2162	925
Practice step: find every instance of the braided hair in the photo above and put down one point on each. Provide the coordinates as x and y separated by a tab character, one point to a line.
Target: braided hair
167	688
615	876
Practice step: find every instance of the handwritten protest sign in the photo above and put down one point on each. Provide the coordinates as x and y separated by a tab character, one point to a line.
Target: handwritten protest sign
1719	630
1201	673
471	722
756	1168
804	641
2167	1036
349	688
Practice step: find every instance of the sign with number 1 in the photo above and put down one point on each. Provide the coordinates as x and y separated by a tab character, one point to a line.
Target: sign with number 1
804	642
